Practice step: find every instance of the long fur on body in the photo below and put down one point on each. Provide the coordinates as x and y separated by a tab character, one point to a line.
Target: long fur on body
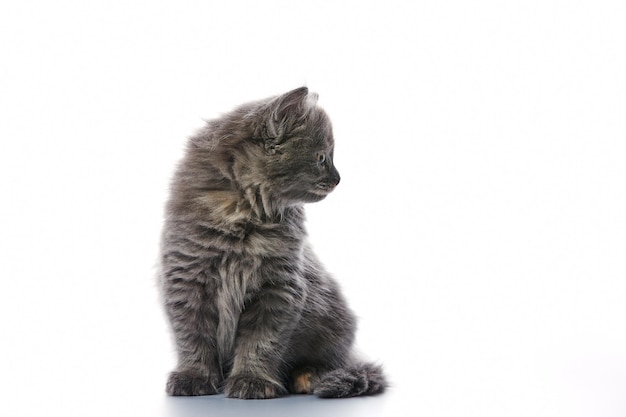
254	313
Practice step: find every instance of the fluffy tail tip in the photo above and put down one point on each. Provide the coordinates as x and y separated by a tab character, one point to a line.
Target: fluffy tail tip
362	379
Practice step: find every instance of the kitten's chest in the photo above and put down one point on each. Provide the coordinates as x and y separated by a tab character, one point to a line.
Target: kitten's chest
263	255
284	238
268	241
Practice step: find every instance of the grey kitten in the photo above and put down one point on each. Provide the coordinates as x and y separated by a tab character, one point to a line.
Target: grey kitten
253	312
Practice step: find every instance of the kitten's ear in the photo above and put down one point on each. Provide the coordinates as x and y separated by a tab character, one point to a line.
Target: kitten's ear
292	103
285	111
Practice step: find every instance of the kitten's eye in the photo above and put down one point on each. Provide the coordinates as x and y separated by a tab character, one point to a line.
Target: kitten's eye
321	158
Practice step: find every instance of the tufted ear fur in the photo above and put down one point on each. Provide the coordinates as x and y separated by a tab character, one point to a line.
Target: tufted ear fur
290	103
287	110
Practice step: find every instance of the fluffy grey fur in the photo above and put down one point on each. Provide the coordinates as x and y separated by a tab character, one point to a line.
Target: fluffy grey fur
253	312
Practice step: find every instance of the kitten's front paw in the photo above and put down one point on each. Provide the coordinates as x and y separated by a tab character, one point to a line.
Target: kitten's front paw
181	383
250	387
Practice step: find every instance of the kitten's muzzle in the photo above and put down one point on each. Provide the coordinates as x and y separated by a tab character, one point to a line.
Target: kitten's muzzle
329	183
334	177
326	186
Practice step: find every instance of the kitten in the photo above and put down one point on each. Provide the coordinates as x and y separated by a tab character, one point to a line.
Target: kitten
253	312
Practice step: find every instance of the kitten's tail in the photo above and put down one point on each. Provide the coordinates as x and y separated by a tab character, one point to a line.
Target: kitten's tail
354	380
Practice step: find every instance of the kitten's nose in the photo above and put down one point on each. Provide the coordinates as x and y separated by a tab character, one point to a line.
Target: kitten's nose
334	175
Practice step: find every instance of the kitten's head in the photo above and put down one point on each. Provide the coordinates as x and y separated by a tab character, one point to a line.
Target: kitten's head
273	153
298	148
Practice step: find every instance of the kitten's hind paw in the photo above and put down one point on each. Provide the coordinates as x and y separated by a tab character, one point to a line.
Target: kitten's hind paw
181	383
250	387
303	380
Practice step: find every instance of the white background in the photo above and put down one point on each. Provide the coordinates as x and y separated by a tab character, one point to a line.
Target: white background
479	230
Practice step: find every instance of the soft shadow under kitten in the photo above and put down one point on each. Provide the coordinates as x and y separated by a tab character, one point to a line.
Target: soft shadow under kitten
253	312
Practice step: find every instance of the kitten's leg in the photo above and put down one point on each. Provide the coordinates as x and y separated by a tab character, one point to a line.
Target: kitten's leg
194	323
327	369
322	345
265	327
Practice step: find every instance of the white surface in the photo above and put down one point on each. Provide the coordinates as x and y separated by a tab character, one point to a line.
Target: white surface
479	230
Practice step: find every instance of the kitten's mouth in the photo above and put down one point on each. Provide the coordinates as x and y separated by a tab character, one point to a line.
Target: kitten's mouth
323	189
